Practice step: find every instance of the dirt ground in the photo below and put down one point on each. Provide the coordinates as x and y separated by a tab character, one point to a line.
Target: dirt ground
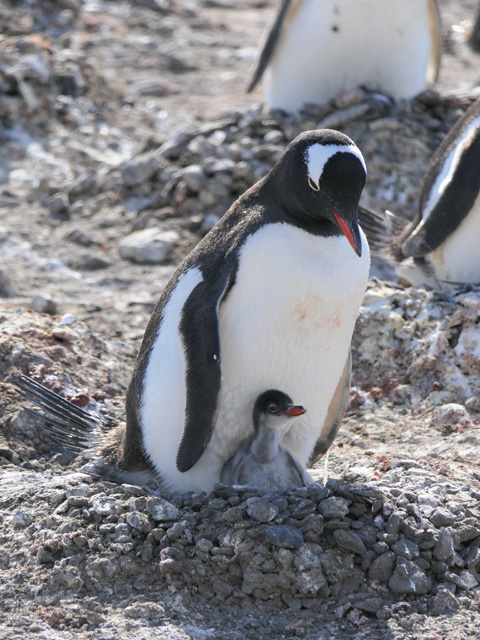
89	92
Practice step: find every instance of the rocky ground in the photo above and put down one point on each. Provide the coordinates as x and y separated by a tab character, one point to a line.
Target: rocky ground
125	134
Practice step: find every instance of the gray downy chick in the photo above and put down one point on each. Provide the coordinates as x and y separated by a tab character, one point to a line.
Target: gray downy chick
261	460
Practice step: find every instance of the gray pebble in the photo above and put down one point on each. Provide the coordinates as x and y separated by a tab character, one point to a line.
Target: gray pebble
333	507
370	605
444	602
149	245
284	536
444	549
382	567
194	177
138	520
140	169
104	506
408	578
406	548
161	510
350	541
261	510
22	519
442	518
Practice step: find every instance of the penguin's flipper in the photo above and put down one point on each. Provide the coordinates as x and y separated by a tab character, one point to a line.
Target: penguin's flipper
200	330
335	413
269	44
295	464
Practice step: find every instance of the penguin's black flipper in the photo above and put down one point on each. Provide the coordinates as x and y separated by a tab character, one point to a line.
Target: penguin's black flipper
269	45
68	424
201	339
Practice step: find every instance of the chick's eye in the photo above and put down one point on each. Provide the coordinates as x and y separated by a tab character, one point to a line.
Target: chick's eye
312	184
272	408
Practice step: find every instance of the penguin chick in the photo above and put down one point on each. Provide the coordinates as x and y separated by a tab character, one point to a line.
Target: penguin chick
441	246
261	460
316	49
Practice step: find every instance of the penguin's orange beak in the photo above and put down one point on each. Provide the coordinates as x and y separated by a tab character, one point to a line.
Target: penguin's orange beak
294	411
351	232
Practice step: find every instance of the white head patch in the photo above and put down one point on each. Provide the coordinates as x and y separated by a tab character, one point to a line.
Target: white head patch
449	167
317	155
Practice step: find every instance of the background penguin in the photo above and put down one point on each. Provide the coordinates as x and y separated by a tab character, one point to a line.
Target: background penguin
268	299
442	245
318	48
261	460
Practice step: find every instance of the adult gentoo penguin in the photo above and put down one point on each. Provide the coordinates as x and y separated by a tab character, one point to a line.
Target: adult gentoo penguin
268	299
261	460
442	244
316	49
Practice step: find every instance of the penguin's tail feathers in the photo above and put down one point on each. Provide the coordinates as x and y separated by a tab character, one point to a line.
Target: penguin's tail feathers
70	426
382	231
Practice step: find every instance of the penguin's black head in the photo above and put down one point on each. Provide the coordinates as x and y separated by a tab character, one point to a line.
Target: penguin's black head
321	177
276	403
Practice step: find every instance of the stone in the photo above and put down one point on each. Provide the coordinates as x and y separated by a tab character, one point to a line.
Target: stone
140	169
261	510
442	518
194	177
149	245
408	578
406	548
22	519
450	413
284	536
43	305
444	548
382	567
161	510
444	602
104	506
350	541
59	207
333	507
138	520
370	605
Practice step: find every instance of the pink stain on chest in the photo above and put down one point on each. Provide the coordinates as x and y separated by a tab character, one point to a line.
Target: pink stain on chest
311	312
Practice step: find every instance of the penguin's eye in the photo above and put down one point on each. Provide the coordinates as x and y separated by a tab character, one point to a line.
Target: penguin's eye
312	184
272	408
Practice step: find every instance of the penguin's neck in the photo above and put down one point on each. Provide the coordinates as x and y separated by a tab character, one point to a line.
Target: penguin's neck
266	440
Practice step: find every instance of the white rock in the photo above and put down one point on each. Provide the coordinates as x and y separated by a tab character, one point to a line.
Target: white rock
469	342
68	318
148	245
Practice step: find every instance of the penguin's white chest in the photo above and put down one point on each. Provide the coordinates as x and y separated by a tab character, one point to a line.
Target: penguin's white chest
286	324
330	46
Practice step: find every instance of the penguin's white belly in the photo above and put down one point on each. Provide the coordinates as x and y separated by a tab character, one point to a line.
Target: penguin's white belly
332	46
457	260
286	324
